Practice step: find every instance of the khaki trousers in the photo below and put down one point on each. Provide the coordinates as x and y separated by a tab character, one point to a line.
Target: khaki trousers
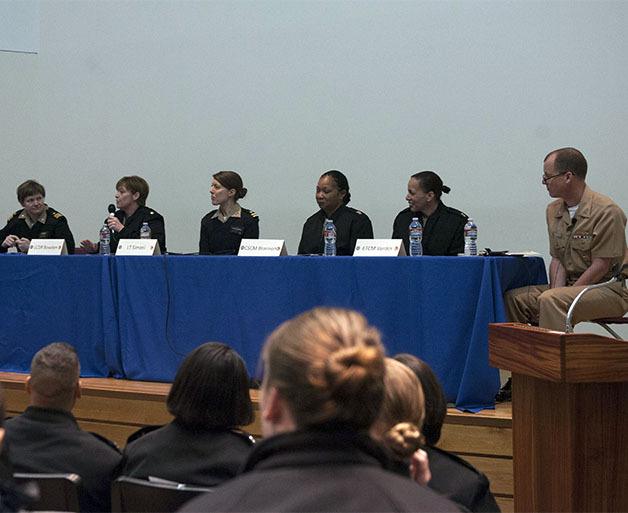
548	307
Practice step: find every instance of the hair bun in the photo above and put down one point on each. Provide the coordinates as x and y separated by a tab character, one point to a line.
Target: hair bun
242	192
445	189
403	439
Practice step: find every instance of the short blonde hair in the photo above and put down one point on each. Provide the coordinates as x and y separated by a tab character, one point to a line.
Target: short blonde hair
328	364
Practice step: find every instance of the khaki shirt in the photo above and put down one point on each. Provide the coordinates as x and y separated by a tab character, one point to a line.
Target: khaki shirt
597	230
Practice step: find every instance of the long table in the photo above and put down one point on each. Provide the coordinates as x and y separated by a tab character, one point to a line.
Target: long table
137	317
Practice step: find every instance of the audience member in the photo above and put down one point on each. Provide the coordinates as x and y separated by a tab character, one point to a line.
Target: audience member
132	213
451	476
11	497
323	386
223	229
208	399
399	421
35	220
443	226
332	196
46	437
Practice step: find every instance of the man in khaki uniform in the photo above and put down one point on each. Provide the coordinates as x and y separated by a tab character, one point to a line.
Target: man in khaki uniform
587	243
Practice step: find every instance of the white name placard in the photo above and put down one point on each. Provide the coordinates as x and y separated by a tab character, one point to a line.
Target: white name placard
262	247
138	247
47	247
379	247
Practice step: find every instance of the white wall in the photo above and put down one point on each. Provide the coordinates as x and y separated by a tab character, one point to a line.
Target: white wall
281	91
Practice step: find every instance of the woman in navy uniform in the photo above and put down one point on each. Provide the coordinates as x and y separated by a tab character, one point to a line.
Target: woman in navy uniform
452	476
132	213
223	229
332	196
35	221
209	399
443	226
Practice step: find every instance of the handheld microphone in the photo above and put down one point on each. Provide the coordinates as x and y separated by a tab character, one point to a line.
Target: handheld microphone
112	209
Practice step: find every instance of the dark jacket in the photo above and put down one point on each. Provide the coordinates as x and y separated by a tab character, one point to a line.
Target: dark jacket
460	481
55	227
319	471
443	231
351	225
43	440
133	225
195	457
218	238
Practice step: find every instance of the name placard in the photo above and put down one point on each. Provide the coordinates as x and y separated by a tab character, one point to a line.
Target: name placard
138	247
262	247
379	247
47	247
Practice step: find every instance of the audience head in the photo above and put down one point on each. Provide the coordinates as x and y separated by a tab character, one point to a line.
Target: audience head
211	389
435	401
401	415
324	367
136	186
332	191
227	185
54	379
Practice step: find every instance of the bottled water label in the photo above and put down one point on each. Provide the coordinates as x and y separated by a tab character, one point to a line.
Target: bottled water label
329	237
470	238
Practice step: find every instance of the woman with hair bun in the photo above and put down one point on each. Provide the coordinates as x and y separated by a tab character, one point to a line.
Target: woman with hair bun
322	389
443	226
223	229
452	476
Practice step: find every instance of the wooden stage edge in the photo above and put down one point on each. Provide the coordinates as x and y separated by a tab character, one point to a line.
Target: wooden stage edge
116	408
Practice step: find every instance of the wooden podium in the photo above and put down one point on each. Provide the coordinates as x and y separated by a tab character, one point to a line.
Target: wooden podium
570	417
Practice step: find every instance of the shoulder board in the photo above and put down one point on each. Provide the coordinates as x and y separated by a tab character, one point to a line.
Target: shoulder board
359	212
252	214
56	215
152	212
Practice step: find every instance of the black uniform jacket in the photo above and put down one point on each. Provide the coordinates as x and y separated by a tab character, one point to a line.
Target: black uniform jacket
319	471
55	227
43	440
351	225
218	238
133	224
443	232
460	481
191	456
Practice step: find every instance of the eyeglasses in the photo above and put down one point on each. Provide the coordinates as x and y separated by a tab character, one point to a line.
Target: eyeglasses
545	178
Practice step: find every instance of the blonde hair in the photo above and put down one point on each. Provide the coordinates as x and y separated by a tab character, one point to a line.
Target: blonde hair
402	411
328	364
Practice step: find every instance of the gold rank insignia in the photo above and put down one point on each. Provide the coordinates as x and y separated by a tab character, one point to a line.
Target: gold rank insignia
57	215
253	214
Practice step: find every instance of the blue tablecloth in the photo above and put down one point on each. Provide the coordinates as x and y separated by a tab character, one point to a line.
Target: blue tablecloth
435	307
137	317
58	299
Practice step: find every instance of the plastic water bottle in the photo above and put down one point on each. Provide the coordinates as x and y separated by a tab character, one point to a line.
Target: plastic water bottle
145	231
105	239
470	238
329	236
416	237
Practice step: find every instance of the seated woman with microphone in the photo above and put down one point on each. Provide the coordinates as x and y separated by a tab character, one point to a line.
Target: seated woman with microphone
132	213
332	196
223	229
443	226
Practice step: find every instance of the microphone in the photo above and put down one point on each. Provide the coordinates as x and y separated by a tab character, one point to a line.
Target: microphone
111	208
